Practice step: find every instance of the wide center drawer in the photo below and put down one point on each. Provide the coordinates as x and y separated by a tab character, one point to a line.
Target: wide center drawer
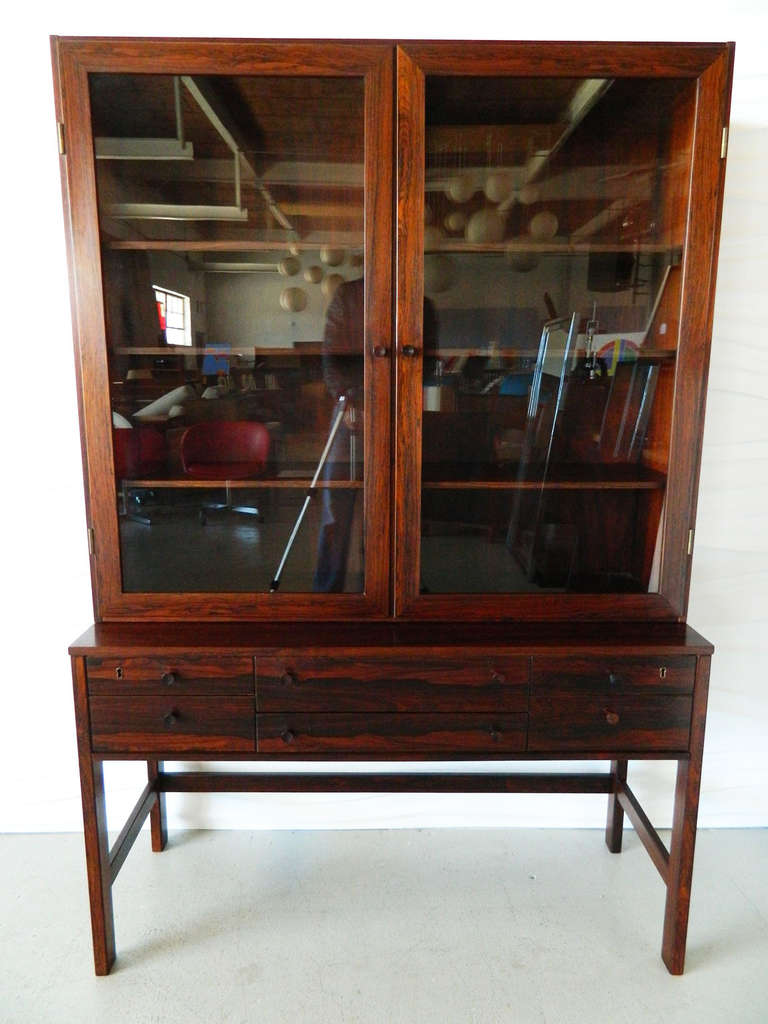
189	674
203	724
296	733
392	682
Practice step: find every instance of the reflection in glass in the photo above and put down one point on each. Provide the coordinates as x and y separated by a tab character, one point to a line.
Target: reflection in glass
555	214
231	217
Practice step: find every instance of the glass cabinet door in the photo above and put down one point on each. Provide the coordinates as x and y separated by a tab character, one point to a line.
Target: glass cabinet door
538	366
239	244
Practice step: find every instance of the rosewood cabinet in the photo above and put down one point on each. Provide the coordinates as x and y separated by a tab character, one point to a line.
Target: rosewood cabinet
391	364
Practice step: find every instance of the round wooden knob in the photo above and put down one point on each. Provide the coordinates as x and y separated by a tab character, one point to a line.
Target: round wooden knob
287	736
498	677
611	717
613	679
495	733
168	678
170	718
380	351
410	350
289	678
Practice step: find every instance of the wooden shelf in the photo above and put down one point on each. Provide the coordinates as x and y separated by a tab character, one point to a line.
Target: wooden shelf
222	245
559	478
448	245
313	348
287	483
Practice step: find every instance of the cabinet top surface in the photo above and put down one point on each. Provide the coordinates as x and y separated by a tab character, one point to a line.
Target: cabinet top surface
626	638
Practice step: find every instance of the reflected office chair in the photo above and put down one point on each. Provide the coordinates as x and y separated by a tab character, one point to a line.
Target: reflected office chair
140	452
225	450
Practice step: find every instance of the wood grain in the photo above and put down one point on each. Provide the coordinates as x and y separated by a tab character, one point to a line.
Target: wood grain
389	683
191	674
611	676
579	722
296	734
161	724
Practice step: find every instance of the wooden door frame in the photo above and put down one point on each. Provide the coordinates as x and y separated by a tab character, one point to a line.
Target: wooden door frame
74	59
712	66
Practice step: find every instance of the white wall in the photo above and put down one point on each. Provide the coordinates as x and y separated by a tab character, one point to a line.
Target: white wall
44	556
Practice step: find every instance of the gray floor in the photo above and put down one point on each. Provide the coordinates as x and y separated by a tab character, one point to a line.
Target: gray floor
384	926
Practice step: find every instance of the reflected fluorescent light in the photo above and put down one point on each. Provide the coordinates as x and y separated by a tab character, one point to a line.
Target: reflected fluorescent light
175	211
143	149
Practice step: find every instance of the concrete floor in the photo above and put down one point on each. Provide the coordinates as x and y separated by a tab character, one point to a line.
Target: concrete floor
481	925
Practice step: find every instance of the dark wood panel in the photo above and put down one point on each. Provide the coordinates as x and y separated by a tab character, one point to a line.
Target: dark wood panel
193	673
386	782
297	734
155	724
454	638
611	723
584	59
388	682
612	675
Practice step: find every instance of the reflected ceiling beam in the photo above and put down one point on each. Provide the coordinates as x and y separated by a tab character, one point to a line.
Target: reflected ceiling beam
588	93
603	219
149	149
214	110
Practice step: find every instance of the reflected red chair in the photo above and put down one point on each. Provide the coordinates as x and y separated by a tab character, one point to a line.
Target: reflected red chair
139	452
225	450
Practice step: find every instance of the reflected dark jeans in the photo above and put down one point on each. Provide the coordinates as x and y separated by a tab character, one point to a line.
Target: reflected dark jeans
336	515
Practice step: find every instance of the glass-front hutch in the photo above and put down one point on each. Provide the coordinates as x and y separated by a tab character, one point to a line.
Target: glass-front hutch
392	365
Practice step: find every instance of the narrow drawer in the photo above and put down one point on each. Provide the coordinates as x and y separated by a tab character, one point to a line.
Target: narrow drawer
623	674
392	683
638	722
137	724
297	734
157	676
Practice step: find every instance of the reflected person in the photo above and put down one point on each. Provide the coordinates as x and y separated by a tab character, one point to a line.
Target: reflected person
343	363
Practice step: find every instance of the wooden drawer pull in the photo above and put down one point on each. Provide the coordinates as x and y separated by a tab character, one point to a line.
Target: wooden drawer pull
611	717
288	736
171	718
498	677
169	678
496	733
613	679
290	678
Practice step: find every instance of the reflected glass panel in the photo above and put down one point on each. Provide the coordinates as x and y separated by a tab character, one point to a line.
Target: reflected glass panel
555	214
231	217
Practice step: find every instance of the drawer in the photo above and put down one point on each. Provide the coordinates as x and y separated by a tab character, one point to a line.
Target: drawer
297	733
386	682
635	722
610	676
138	724
169	675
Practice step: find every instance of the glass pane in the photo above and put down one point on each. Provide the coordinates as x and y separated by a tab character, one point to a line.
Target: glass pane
231	216
555	214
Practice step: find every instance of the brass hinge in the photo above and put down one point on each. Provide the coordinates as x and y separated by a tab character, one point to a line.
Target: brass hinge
60	133
724	142
690	542
91	541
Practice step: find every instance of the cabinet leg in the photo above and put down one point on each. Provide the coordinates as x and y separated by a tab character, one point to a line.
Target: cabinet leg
97	864
157	819
681	866
683	840
95	830
614	826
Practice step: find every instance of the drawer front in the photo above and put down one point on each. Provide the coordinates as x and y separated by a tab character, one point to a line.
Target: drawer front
136	724
297	734
609	676
168	675
384	682
639	722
